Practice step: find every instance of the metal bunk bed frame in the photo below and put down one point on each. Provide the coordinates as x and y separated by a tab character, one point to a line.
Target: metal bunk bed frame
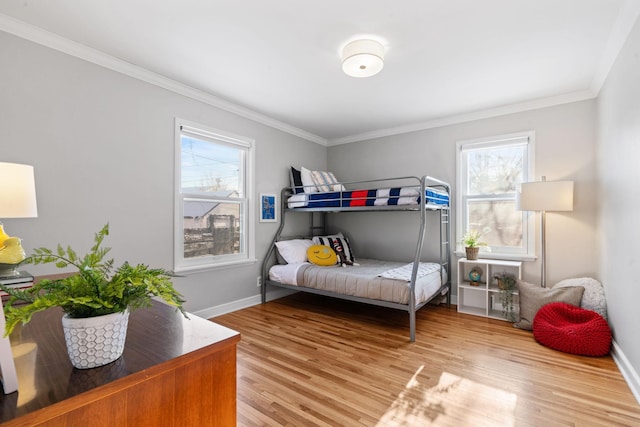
423	207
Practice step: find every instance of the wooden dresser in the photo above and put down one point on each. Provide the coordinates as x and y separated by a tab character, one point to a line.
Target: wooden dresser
174	372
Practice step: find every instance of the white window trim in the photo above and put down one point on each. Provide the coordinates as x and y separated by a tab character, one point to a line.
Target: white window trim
222	261
528	223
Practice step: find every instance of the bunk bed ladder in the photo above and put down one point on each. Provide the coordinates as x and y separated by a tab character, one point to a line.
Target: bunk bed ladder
445	248
416	262
322	228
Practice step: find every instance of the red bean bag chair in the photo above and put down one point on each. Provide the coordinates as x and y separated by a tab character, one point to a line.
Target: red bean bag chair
572	329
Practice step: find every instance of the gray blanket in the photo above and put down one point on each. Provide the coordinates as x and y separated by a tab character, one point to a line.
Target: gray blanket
363	281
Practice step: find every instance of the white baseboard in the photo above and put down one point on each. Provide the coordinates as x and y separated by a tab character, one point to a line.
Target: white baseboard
219	310
627	371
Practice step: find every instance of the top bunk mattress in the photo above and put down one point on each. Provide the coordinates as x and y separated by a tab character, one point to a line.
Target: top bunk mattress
398	196
374	279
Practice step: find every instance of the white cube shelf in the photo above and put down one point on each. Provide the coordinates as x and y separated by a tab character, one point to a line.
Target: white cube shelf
481	298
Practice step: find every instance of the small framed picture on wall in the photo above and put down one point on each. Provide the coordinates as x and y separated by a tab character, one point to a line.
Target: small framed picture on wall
268	207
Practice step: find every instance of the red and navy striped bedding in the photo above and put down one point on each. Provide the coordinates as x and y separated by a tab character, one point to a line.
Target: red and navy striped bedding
375	197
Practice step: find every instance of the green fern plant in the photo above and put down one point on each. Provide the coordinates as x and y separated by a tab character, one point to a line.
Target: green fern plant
96	289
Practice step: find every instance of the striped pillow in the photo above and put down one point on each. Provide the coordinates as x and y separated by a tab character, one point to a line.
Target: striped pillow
324	181
333	242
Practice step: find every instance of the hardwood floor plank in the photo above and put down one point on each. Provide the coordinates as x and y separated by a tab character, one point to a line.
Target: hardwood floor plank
307	360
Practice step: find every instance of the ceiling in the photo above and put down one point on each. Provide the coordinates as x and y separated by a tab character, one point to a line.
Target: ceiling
278	61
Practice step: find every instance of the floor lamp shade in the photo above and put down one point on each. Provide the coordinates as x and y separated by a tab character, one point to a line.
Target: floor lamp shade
17	191
546	196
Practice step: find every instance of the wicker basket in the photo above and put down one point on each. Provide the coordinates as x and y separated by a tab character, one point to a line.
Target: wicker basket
472	253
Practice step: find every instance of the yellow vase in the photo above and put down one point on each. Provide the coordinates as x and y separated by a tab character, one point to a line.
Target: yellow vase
11	251
3	235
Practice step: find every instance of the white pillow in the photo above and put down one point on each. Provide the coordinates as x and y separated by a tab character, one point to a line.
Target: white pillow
295	250
307	181
593	298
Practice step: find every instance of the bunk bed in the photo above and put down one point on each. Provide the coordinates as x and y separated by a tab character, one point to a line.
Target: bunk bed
399	285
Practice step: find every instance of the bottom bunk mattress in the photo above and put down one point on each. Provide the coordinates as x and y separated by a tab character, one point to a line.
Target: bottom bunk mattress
381	280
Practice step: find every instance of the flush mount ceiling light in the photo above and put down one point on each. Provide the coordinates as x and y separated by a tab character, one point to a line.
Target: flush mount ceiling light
362	58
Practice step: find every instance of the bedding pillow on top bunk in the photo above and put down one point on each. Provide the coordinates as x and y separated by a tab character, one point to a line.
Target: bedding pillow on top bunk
308	181
295	176
326	181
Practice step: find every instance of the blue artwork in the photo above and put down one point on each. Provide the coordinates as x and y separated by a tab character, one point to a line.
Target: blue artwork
267	207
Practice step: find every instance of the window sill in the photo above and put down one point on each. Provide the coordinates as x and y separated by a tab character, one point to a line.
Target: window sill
501	256
186	271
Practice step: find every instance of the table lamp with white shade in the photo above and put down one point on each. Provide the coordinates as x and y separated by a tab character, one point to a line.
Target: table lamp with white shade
17	200
545	196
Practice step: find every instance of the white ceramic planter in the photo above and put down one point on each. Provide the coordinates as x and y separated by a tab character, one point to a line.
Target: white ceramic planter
95	341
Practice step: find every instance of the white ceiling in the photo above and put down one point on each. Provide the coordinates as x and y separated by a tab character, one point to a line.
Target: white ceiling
278	61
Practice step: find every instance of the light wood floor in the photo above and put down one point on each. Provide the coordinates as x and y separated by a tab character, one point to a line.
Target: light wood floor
307	360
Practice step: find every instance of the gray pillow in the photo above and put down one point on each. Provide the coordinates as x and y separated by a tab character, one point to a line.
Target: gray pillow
533	297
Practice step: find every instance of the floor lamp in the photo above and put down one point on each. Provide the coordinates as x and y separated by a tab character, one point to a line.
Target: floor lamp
17	200
544	196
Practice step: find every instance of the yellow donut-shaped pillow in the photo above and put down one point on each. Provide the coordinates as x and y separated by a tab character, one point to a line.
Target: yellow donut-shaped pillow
322	255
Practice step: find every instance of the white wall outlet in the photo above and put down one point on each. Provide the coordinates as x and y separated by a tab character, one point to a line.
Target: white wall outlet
259	281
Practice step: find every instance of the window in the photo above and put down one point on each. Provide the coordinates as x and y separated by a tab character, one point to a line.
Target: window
489	173
213	221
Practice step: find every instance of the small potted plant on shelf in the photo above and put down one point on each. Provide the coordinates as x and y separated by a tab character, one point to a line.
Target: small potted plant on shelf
472	243
95	294
507	284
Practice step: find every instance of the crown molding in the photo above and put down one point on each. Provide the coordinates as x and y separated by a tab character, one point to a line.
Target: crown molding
627	17
45	38
468	117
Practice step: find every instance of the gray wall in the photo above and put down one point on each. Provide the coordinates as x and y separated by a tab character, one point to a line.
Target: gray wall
102	145
619	176
565	149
